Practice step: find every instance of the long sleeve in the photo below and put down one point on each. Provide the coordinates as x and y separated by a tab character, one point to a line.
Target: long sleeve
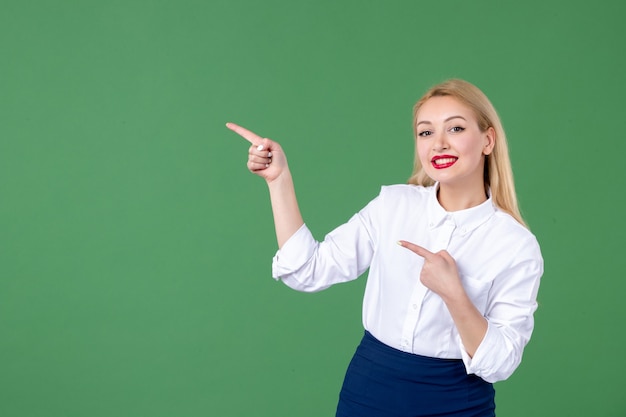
511	305
305	264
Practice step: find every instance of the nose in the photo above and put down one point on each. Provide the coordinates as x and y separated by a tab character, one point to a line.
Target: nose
440	142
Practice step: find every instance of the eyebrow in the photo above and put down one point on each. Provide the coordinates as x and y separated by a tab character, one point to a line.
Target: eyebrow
445	121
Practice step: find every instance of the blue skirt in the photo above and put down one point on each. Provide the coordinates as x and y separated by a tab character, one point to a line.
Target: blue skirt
385	382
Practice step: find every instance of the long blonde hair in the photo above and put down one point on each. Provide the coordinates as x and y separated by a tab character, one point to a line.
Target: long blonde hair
498	176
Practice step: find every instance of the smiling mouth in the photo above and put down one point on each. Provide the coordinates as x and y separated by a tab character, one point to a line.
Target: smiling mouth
441	162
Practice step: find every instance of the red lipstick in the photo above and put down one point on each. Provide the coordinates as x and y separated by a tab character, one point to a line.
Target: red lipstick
443	161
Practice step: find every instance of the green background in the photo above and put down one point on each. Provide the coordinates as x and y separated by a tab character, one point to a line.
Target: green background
135	247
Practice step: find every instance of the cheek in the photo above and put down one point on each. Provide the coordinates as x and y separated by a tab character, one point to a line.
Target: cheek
422	151
473	147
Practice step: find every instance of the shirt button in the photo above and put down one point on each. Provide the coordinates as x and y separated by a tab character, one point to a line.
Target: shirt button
414	306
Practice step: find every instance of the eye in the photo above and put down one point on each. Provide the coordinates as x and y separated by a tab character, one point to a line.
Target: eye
457	129
425	133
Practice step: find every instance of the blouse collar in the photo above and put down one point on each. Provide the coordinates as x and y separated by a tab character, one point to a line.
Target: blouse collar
467	220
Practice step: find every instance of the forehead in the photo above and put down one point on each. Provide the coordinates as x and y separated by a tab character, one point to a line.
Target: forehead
443	107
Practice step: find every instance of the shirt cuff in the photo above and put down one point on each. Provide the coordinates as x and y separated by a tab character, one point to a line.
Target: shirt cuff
482	363
296	251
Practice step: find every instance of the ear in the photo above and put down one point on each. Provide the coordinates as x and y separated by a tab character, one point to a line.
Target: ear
490	141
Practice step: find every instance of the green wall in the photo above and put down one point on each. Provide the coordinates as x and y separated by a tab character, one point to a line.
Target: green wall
135	248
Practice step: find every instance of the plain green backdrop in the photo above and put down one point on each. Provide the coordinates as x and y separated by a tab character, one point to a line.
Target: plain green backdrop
135	247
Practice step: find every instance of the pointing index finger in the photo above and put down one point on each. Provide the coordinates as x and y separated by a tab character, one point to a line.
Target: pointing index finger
251	137
423	252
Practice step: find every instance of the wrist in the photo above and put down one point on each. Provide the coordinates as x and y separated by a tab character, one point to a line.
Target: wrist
456	295
282	180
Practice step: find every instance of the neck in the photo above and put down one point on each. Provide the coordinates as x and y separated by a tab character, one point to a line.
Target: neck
455	198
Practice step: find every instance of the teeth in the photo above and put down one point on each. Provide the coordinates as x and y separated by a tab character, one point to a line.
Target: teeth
443	161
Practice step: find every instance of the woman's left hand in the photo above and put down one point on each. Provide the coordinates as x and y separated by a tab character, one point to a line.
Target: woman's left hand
439	273
441	276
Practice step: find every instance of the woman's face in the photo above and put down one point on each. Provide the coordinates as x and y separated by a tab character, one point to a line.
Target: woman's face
450	145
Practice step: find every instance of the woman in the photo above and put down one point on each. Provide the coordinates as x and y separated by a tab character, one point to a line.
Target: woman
453	271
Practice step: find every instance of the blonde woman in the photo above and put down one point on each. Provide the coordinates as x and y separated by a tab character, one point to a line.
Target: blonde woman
453	270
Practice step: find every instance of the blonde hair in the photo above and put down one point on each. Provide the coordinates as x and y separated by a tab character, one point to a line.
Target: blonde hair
498	174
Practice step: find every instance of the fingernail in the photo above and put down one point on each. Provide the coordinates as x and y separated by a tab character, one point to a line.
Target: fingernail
259	148
269	154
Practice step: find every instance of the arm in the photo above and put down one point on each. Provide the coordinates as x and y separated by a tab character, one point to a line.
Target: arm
494	351
267	160
287	217
305	264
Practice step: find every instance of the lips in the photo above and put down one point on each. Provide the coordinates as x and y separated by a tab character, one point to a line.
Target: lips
443	161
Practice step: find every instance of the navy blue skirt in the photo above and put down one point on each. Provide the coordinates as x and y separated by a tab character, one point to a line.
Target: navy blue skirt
385	382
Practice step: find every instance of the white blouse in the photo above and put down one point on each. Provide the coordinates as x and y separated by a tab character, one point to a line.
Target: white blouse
498	259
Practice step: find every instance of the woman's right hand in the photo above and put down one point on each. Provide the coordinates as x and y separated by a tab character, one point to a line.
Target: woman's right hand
265	157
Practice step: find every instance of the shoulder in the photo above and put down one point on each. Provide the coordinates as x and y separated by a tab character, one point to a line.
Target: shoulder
515	236
405	191
398	200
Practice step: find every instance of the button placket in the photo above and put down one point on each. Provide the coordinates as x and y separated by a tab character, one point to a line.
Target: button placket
444	235
413	313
